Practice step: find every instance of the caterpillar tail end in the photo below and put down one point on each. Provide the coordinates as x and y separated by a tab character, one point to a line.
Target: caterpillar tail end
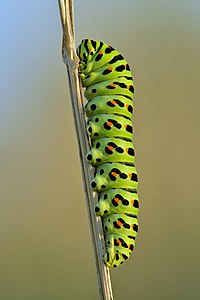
110	259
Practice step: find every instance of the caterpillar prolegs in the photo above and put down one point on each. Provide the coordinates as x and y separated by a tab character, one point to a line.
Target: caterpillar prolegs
109	91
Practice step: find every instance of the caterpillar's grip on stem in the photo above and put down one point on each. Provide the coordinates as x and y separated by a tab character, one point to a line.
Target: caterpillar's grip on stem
109	91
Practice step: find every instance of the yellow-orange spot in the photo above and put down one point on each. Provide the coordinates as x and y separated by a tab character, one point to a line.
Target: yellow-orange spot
125	125
119	223
100	52
112	84
117	200
109	123
110	148
118	242
126	105
110	69
113	102
129	174
114	174
90	49
126	150
132	201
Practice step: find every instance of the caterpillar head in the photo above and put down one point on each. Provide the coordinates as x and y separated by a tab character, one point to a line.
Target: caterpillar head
85	52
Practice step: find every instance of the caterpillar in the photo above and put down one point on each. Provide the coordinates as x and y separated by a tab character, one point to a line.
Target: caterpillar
109	90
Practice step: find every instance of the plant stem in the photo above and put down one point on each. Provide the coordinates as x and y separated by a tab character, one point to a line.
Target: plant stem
71	61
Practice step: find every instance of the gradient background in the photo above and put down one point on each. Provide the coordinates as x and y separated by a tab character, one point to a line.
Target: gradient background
45	247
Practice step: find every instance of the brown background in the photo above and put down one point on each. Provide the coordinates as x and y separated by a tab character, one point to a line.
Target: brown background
45	248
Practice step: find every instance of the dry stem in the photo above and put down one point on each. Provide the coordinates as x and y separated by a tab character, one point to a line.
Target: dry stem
70	59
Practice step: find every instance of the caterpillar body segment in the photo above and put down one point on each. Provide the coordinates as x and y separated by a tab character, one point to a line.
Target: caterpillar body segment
105	125
111	150
118	104
117	201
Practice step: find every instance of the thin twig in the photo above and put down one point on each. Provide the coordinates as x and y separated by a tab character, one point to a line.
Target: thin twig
70	59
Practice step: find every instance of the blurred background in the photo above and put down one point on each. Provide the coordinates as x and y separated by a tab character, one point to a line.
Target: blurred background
45	247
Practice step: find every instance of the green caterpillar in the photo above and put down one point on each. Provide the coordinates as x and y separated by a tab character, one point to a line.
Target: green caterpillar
109	91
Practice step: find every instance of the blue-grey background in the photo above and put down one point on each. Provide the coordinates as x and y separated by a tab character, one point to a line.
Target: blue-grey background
45	247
